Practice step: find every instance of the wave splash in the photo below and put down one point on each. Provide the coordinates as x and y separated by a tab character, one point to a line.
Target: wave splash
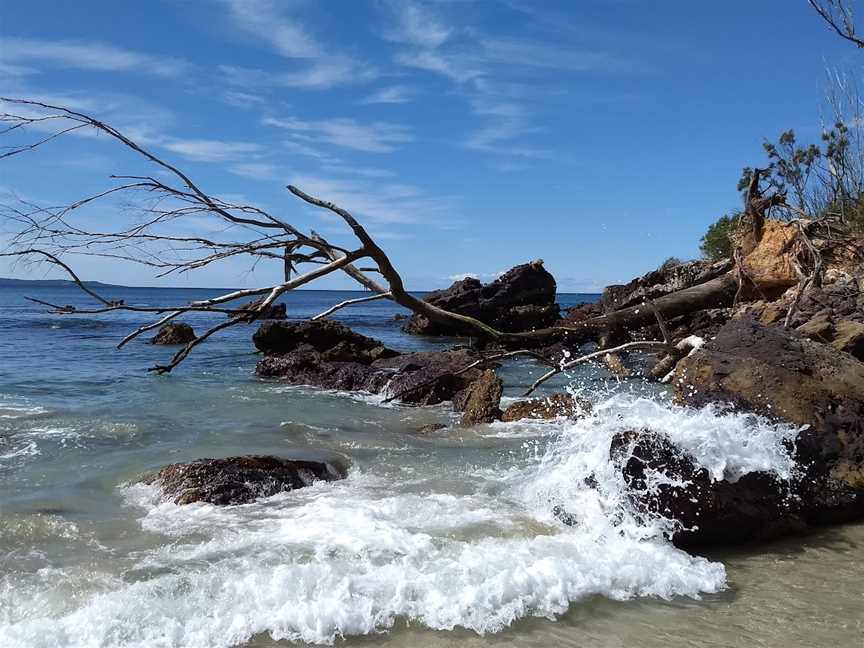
352	558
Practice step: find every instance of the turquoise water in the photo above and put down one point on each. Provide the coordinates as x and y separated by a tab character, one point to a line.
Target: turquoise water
438	539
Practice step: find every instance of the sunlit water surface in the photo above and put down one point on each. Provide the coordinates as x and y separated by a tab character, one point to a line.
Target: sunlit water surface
438	539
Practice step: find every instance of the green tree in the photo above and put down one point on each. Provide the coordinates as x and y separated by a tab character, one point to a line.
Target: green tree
716	244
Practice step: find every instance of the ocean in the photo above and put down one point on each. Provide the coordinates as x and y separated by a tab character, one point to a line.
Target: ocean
437	539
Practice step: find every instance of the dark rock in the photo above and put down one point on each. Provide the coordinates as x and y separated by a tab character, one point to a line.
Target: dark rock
314	369
238	480
780	374
580	313
398	317
840	300
668	278
521	299
755	507
429	428
174	333
547	407
428	378
272	312
331	340
480	400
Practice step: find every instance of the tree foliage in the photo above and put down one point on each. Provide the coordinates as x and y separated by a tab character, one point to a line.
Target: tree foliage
716	244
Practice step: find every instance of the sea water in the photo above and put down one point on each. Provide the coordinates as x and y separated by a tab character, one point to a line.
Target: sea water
448	538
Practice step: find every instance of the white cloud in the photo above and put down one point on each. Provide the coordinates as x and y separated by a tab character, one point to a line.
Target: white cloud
255	170
450	66
319	75
377	202
263	20
415	25
89	56
462	276
377	137
316	66
393	94
204	150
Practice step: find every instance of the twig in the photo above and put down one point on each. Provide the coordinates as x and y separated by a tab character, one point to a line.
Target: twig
348	302
596	354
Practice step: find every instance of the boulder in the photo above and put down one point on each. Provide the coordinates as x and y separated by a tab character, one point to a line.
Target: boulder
316	370
779	373
428	377
272	312
668	278
174	333
580	313
331	341
521	299
238	480
547	407
755	507
480	400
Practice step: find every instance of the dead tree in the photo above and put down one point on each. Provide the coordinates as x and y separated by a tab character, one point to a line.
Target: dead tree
160	200
837	14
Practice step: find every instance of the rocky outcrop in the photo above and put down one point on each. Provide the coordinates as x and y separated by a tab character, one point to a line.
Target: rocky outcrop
548	407
174	333
430	377
329	355
521	299
272	312
757	506
331	340
780	374
580	313
668	278
238	480
480	400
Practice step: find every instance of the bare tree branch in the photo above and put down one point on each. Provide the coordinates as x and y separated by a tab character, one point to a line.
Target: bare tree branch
349	302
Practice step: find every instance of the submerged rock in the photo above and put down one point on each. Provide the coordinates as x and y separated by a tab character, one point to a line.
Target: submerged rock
174	333
521	299
480	400
547	407
272	312
780	374
238	480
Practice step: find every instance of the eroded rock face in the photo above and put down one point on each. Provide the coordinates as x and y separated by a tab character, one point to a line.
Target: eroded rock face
521	299
174	333
758	506
547	407
480	400
668	278
331	340
780	374
239	480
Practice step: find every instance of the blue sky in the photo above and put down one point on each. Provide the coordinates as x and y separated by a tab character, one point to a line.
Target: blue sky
601	136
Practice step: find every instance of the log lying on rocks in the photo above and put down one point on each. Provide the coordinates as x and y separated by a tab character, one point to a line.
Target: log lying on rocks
239	480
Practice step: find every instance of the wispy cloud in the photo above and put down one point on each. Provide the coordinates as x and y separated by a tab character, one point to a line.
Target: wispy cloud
264	20
316	66
416	25
255	170
377	137
462	276
396	94
376	201
89	56
205	150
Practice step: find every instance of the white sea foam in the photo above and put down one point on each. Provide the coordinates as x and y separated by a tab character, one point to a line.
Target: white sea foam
352	557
